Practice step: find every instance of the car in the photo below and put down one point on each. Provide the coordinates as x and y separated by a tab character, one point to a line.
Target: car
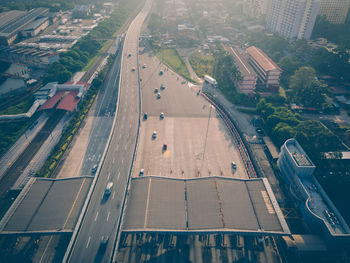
144	66
162	87
156	90
259	131
154	135
161	116
165	147
133	69
108	189
129	55
145	116
161	72
142	171
233	165
104	242
158	96
94	169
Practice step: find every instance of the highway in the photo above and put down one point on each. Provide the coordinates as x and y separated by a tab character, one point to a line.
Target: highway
102	216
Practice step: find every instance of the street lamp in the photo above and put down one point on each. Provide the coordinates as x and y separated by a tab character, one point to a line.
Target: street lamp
206	137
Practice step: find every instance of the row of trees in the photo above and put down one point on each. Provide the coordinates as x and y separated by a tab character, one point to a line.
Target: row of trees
283	124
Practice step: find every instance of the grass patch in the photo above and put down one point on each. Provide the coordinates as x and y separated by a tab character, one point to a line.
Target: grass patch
202	63
171	58
21	107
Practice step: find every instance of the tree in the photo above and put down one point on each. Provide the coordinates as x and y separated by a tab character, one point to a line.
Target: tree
306	89
289	64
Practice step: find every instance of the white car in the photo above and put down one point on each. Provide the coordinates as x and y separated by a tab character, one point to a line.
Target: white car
133	69
161	115
108	189
141	172
154	135
233	165
158	96
144	66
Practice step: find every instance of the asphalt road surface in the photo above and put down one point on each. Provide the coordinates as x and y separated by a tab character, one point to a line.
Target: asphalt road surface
198	141
103	213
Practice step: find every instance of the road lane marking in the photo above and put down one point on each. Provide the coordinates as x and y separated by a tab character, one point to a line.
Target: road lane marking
109	175
122	161
113	194
108	215
87	245
118	176
96	216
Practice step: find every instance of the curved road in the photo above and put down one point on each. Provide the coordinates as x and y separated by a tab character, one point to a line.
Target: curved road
103	214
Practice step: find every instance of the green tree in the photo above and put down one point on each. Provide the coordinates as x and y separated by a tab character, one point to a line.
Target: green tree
306	89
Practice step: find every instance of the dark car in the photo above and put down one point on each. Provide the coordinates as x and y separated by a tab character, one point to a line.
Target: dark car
259	131
145	116
165	147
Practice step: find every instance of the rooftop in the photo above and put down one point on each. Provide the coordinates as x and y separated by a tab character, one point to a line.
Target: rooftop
42	208
298	154
262	59
208	204
242	64
319	203
36	23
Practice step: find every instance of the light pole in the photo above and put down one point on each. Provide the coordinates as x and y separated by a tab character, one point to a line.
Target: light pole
206	137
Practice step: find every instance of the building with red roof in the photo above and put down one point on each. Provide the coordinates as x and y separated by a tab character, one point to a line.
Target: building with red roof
63	96
267	70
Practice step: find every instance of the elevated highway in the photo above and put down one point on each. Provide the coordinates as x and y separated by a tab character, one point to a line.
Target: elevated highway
102	216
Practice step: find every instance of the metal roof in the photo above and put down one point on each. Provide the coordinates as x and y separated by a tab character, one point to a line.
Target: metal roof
46	206
260	57
208	204
51	103
69	101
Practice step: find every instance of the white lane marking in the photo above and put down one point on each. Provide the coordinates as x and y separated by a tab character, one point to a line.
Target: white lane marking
109	175
96	216
87	245
125	147
108	215
113	194
113	161
122	161
118	176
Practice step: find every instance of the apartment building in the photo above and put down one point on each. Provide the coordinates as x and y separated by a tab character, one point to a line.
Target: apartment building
336	11
292	18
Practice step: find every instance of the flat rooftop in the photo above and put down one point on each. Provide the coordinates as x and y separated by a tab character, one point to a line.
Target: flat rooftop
298	154
203	205
318	204
46	206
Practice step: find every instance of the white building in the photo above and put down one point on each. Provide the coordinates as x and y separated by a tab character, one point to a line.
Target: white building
317	209
256	8
292	18
335	10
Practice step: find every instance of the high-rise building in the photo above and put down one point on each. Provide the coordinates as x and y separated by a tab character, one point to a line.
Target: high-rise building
255	8
292	18
335	10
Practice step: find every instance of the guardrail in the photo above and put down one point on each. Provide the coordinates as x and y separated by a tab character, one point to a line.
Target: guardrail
237	136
